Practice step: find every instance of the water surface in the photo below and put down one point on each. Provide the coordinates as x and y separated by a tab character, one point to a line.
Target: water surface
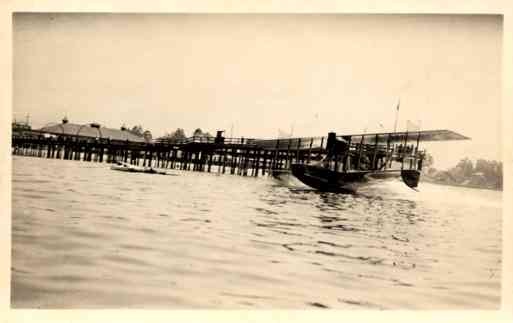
84	236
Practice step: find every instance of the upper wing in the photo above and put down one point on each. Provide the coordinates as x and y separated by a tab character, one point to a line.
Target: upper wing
369	138
398	137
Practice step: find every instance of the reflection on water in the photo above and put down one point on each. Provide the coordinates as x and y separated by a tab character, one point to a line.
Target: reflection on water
88	237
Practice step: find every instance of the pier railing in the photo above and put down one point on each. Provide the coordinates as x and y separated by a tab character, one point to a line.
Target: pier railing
300	143
243	156
268	144
238	155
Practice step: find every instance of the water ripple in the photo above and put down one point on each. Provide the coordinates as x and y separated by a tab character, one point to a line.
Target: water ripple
80	229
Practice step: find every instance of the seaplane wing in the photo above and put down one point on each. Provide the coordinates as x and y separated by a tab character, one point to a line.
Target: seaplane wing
368	138
398	137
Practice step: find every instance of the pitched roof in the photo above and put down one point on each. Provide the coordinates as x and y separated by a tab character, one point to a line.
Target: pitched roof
92	131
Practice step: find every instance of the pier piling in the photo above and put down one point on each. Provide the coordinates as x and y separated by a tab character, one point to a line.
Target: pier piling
241	156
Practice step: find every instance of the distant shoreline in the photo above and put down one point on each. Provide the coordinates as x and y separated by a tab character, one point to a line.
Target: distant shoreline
426	178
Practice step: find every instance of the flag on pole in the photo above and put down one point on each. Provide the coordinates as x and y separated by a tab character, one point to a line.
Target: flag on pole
396	115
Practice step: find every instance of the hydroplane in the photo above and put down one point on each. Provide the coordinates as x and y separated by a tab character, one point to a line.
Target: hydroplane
352	160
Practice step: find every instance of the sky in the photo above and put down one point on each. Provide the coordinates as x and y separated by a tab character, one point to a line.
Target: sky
258	74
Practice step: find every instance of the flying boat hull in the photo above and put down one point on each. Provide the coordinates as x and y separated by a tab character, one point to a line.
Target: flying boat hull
326	180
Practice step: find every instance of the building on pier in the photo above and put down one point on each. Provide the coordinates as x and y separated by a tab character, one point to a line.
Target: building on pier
20	126
20	129
92	130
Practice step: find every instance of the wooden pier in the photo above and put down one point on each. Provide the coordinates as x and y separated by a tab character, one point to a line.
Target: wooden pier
238	156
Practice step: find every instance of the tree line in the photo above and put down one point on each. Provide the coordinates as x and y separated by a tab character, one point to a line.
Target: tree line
482	174
177	135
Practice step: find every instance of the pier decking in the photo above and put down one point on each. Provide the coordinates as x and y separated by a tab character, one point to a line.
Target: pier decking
240	156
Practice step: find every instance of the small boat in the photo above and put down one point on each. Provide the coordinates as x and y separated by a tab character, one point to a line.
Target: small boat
125	167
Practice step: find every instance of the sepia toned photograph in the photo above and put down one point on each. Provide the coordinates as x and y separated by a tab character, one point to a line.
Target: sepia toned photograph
256	161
